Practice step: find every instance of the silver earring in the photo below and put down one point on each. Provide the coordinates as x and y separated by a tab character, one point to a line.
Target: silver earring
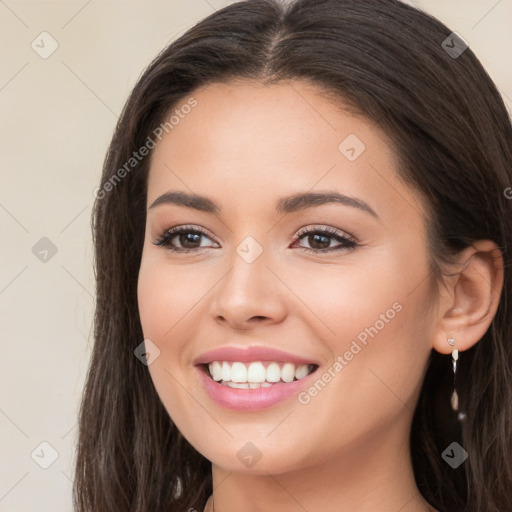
455	397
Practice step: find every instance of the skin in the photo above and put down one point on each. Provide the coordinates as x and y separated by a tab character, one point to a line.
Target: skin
245	145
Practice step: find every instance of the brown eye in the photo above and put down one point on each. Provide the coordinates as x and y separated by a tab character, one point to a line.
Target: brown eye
320	240
317	241
188	239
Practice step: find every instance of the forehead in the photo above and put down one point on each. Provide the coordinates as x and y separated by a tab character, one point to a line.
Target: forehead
246	142
245	115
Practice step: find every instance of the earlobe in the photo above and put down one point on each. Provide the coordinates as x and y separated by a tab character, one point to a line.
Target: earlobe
471	298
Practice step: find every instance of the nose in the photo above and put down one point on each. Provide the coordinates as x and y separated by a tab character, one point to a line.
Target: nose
249	295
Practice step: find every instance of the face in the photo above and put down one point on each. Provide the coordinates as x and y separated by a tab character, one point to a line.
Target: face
335	283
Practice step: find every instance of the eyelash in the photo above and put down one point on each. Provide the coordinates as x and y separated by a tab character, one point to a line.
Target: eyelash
165	239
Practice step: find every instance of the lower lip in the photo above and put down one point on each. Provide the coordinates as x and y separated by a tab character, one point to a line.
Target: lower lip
251	399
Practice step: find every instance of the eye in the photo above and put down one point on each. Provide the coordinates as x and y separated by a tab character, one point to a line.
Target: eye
187	236
321	238
189	239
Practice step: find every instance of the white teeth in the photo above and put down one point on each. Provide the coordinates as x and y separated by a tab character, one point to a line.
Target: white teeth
288	372
301	371
216	370
273	372
243	385
226	371
254	385
254	375
239	372
248	385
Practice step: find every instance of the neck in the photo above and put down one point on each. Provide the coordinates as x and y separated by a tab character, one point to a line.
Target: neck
376	475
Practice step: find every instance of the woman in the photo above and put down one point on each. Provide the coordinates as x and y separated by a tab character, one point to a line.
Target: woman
303	235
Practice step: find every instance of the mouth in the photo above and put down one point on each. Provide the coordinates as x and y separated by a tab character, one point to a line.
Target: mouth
253	378
256	374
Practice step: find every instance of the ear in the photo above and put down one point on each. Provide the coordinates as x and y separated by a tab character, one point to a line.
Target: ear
470	297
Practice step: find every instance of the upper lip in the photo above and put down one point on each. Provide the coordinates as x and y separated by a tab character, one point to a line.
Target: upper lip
249	354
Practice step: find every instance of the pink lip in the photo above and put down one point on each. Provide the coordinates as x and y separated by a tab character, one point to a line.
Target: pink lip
251	399
250	354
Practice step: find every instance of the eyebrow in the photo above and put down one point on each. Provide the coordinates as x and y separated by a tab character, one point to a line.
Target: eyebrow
289	204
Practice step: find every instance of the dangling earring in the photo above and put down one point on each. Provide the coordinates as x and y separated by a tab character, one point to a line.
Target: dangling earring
455	397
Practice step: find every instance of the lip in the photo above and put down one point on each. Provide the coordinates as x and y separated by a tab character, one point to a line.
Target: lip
249	354
252	399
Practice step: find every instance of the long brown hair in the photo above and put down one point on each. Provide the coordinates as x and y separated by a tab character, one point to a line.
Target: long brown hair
453	136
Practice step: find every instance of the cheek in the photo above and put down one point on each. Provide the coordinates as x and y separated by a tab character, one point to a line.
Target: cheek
164	300
370	313
164	297
347	299
151	295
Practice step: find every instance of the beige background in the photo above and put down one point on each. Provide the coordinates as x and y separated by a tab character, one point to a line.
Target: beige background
57	116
